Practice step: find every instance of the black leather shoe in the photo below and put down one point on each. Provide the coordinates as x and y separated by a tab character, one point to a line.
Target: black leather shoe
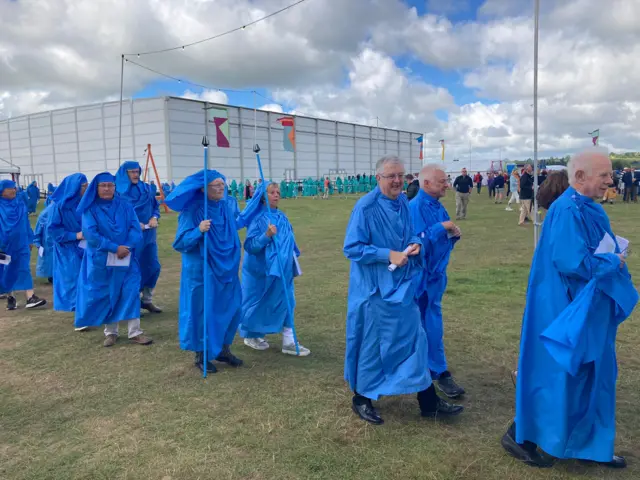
199	362
150	307
617	462
364	409
526	453
229	358
443	409
447	385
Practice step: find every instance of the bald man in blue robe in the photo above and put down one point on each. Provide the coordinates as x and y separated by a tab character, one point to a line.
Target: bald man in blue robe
387	349
438	234
565	391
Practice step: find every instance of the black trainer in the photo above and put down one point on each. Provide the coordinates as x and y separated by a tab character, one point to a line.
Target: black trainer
363	407
12	304
35	301
526	452
447	385
199	362
229	358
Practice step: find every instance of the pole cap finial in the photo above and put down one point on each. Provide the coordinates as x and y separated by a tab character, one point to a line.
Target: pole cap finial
256	148
205	141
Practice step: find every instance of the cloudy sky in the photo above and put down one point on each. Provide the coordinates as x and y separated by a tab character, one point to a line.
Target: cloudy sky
455	69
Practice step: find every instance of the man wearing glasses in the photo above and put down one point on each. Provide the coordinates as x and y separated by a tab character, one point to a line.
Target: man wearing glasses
387	350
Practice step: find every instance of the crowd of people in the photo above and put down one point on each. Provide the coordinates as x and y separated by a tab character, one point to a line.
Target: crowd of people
101	237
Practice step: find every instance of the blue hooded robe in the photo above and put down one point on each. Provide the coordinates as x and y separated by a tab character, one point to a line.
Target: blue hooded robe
15	237
41	238
224	298
33	195
142	197
566	386
64	224
387	349
427	214
107	294
264	306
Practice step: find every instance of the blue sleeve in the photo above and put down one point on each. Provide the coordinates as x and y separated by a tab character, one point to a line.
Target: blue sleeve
156	209
56	230
134	234
92	234
356	242
38	234
575	259
256	240
188	235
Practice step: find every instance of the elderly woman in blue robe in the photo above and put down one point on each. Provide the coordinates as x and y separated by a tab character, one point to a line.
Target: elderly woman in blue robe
16	238
219	262
33	195
267	273
143	199
387	349
44	242
65	229
109	280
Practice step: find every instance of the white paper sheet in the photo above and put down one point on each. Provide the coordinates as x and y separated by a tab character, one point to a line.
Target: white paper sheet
147	227
6	261
82	244
114	261
297	271
40	251
607	245
623	243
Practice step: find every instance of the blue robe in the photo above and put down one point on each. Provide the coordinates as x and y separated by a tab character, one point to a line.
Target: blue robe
565	394
154	189
107	294
264	305
142	197
224	298
33	195
15	237
64	224
44	264
427	214
387	349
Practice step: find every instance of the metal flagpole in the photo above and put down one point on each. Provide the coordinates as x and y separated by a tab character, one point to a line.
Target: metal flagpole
120	117
256	149
205	144
535	123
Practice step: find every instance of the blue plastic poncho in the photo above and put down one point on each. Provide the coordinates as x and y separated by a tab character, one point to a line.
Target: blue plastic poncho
387	349
264	305
33	195
224	298
153	187
107	294
41	238
143	200
50	188
427	215
166	189
565	394
64	224
15	237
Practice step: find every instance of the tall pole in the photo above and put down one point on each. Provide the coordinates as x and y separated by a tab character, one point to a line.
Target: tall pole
535	122
120	117
205	267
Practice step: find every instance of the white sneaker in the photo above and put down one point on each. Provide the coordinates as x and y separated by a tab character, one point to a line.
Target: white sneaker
290	349
509	209
81	329
256	343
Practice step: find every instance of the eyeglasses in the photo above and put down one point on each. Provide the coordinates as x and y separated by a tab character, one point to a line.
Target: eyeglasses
107	185
393	176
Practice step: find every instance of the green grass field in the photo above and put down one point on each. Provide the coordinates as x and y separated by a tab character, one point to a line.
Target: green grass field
71	409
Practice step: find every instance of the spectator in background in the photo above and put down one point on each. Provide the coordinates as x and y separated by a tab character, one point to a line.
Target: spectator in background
506	181
542	177
526	194
514	186
498	184
636	185
490	184
413	186
462	185
555	184
325	194
627	180
477	179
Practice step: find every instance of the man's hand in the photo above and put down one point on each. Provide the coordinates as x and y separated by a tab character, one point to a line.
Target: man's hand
271	231
122	252
153	223
79	236
414	249
141	226
205	225
398	258
622	259
451	228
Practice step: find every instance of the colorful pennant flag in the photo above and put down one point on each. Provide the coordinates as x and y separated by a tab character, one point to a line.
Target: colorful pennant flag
420	140
595	135
219	118
288	133
442	143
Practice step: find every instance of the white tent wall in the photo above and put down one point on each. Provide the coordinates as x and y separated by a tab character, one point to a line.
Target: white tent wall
84	139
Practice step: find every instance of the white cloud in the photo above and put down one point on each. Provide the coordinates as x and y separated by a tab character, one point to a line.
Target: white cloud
213	96
272	107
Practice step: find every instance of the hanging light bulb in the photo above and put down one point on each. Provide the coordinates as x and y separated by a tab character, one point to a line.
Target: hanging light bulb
138	55
183	47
